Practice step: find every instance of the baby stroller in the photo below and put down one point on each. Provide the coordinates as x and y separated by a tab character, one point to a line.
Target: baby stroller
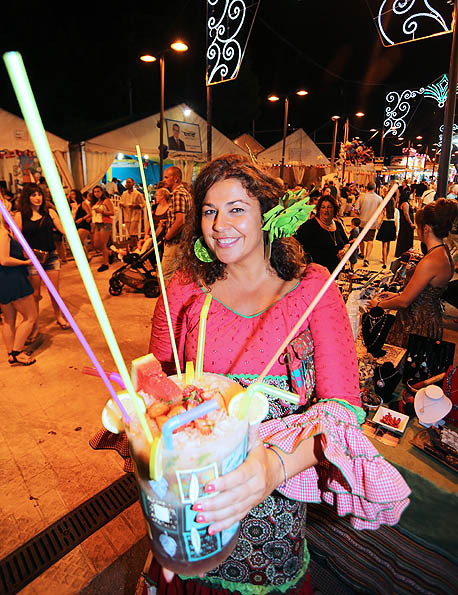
138	272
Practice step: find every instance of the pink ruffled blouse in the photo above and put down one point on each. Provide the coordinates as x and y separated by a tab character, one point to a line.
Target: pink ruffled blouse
353	475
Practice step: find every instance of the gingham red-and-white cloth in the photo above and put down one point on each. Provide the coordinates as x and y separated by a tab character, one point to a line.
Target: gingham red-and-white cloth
353	477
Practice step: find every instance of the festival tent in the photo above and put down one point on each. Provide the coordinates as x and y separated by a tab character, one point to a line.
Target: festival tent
302	156
100	151
249	144
18	161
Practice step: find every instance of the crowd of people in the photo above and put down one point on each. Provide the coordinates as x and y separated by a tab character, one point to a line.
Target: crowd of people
214	243
341	211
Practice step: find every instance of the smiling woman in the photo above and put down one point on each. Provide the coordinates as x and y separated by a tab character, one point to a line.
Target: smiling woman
258	296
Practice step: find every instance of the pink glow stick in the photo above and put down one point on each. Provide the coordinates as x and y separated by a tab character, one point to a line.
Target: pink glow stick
65	311
326	285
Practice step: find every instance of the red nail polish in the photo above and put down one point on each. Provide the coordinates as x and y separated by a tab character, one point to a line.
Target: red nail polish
200	518
211	531
198	507
210	488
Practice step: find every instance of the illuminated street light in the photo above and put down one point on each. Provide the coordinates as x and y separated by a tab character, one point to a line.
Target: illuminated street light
179	46
360	114
418	137
176	46
274	97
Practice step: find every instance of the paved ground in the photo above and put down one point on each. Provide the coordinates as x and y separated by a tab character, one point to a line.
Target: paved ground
48	412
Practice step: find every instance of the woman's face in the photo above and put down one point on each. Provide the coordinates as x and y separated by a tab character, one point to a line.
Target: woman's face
97	192
326	211
72	195
36	199
231	222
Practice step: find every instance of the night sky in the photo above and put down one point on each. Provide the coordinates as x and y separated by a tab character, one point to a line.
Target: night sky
85	70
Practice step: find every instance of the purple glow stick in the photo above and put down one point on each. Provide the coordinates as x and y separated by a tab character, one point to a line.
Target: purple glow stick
65	311
184	418
111	375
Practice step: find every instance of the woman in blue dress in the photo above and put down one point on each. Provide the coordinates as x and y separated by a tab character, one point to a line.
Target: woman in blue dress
16	295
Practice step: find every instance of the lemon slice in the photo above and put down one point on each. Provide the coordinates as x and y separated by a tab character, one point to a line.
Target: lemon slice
259	407
111	415
155	459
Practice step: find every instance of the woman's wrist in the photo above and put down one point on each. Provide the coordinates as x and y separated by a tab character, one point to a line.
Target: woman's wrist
279	473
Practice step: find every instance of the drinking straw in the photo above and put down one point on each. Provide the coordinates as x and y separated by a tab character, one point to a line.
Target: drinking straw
184	418
26	100
326	285
111	375
65	311
267	389
158	264
189	372
201	339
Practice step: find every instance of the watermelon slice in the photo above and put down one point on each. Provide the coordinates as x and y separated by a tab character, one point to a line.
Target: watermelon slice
147	375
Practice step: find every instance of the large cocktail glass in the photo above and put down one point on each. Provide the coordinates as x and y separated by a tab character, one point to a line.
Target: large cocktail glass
177	541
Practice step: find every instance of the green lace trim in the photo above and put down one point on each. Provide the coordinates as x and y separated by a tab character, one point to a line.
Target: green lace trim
257	313
358	411
256	376
248	589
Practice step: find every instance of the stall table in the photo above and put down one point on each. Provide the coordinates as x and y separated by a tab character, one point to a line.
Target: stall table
417	556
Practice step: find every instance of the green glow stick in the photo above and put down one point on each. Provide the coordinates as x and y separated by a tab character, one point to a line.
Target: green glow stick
201	339
267	389
158	264
26	100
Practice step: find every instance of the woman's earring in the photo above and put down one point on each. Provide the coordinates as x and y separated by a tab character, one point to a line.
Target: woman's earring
202	252
267	246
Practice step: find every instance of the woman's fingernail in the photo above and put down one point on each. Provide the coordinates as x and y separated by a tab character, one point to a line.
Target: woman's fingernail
200	518
211	531
198	507
210	488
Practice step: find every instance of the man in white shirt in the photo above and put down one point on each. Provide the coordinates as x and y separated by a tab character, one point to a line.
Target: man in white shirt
111	187
429	195
132	204
366	205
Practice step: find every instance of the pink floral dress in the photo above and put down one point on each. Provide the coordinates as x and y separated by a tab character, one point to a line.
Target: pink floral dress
271	553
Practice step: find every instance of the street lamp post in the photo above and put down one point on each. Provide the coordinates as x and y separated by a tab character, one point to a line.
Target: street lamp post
334	141
176	46
273	98
346	134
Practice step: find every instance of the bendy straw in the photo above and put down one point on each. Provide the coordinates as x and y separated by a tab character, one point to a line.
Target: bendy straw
26	100
158	264
201	339
65	311
326	285
185	418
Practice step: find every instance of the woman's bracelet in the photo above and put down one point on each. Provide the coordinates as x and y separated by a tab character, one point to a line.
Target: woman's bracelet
282	485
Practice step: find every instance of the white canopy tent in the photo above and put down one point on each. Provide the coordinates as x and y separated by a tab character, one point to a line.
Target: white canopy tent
300	152
100	151
15	142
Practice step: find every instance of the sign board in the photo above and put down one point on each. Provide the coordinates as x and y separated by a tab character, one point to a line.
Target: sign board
183	136
379	160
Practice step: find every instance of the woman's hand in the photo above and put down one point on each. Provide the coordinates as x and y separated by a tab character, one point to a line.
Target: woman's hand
239	491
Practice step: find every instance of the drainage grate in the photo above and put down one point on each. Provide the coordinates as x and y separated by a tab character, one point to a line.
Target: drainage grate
30	560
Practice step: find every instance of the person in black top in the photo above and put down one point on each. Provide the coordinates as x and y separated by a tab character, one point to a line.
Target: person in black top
37	224
324	237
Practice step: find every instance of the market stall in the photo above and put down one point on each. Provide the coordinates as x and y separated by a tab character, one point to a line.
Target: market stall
305	163
409	396
18	161
187	151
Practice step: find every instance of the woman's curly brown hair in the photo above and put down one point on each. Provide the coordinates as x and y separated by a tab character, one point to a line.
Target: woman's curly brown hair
287	257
